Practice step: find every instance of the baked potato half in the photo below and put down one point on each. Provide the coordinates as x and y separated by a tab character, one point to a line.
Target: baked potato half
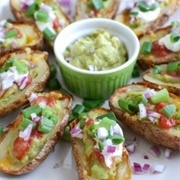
143	16
164	76
34	133
160	46
96	9
19	35
97	155
46	14
21	73
152	114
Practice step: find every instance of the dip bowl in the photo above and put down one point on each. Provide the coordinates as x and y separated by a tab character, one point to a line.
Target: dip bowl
95	84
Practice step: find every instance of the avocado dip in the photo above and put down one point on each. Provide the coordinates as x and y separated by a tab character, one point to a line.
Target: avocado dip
98	51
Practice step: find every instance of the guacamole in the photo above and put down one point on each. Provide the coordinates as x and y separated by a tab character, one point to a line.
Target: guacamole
96	52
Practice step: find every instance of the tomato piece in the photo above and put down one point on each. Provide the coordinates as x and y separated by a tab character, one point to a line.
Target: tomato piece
29	80
159	106
159	50
48	100
166	123
20	148
51	101
89	122
56	23
99	156
36	134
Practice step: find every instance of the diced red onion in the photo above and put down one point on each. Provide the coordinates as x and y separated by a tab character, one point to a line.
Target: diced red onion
142	110
130	148
153	114
35	118
158	168
149	92
76	132
155	151
65	2
146	157
45	7
25	134
146	167
111	149
167	153
32	97
8	81
137	168
24	83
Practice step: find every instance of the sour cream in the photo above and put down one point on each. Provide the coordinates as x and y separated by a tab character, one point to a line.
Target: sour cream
172	46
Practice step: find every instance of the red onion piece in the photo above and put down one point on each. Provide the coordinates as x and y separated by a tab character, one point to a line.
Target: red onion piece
76	132
146	157
148	93
32	97
158	168
142	111
25	134
155	151
111	149
145	167
167	153
131	148
137	168
66	3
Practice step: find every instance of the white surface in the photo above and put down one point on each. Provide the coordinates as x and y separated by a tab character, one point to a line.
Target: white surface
60	164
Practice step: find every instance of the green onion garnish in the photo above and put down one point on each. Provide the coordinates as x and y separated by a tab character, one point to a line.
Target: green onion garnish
109	115
116	139
174	37
144	7
160	96
78	109
11	33
41	16
177	115
136	72
53	84
66	135
146	47
169	110
92	130
32	109
106	122
128	105
97	4
157	69
90	104
49	33
25	122
31	10
1	130
173	66
45	125
53	70
134	13
21	67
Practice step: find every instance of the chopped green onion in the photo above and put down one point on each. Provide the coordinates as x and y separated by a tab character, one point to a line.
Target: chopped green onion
31	10
25	122
53	84
136	72
90	104
8	64
11	33
134	13
177	115
175	24
101	145
157	69
174	37
116	139
173	66
109	115
106	122
97	4
160	96
128	105
32	109
49	33
1	130
41	16
64	91
92	130
66	135
53	70
45	125
78	109
21	67
146	47
144	7
169	110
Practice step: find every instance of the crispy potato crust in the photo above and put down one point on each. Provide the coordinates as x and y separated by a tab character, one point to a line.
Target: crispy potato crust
38	83
123	169
169	138
6	140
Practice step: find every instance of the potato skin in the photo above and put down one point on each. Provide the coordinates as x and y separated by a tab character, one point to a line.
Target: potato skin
148	61
167	138
81	7
151	26
6	138
32	32
123	169
37	85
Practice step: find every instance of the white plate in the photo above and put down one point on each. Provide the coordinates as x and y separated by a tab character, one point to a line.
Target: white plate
60	164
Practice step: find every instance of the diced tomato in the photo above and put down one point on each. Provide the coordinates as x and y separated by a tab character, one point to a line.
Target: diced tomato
48	100
20	148
89	122
159	106
36	134
99	156
166	123
159	50
29	80
56	23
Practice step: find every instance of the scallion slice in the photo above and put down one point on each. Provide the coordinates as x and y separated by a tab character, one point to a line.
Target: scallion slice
116	139
49	33
146	47
160	96
97	4
177	115
90	104
134	13
106	122
169	110
1	130
53	70
11	33
173	66
41	16
78	109
144	7
31	10
32	109
109	115
174	37
157	69
25	122
53	84
45	125
92	130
